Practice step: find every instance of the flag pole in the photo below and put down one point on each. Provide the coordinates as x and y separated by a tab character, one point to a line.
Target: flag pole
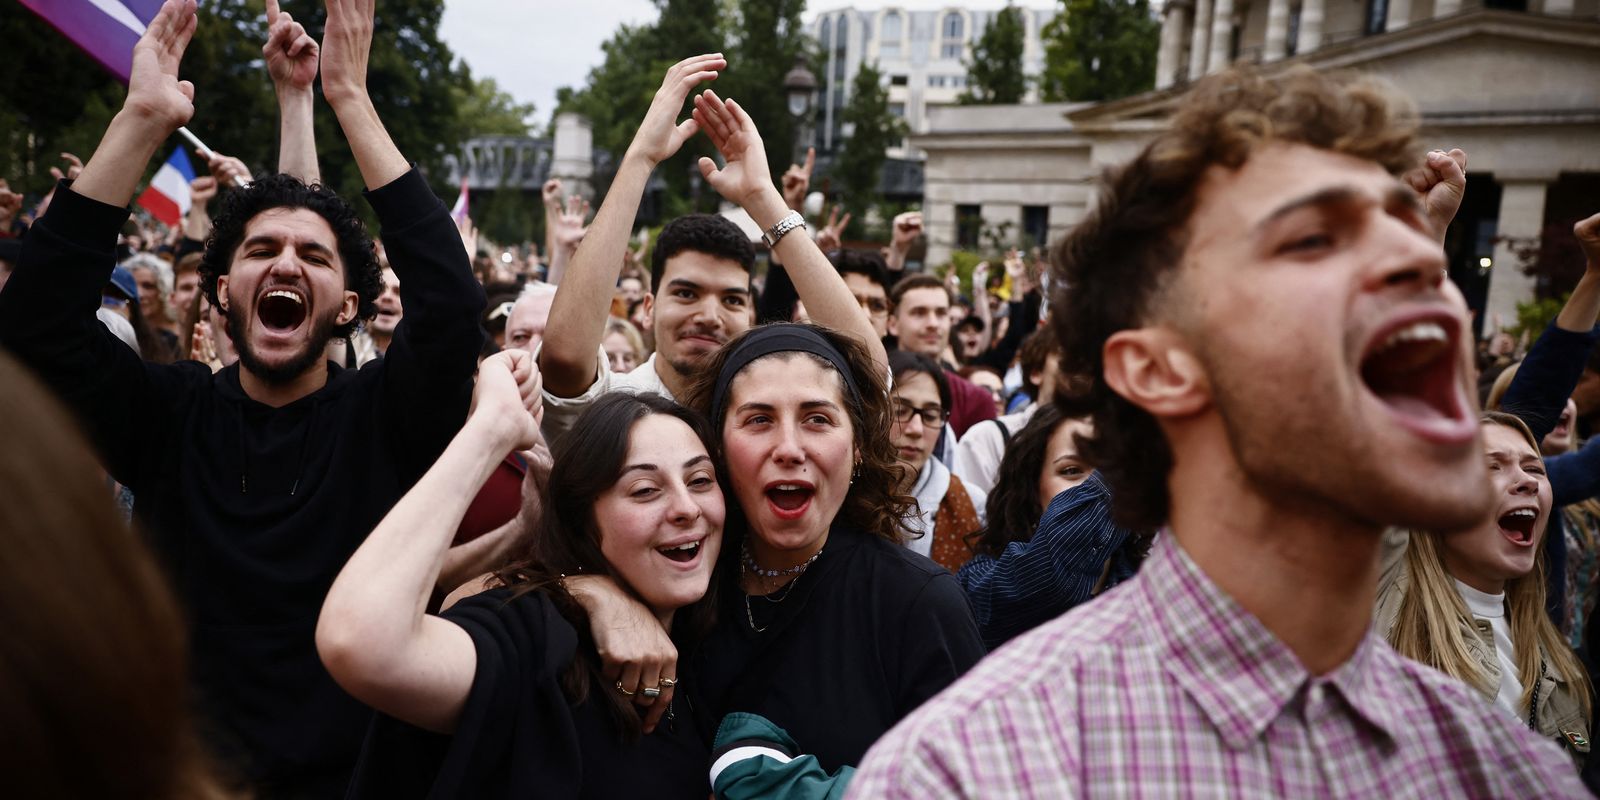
206	152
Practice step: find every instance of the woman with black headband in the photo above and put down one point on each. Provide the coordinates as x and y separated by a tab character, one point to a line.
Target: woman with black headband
827	626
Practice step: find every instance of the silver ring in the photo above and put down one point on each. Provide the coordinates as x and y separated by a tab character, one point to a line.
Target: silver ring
651	692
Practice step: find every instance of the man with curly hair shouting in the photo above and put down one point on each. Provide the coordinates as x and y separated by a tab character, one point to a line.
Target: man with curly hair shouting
256	484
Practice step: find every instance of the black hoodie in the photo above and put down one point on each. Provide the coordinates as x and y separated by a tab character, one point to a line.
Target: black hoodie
253	509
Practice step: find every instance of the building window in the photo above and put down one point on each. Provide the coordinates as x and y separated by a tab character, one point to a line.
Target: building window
1377	16
1292	46
898	80
826	35
892	27
953	26
1036	225
950	50
898	109
969	224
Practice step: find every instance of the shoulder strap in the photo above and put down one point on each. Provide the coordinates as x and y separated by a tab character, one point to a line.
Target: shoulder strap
1005	433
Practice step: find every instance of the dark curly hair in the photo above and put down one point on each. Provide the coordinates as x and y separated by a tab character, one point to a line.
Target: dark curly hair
588	461
701	233
362	274
874	503
1112	266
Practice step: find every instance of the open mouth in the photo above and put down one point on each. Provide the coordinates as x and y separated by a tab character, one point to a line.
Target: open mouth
1412	369
1518	524
790	500
683	553
281	310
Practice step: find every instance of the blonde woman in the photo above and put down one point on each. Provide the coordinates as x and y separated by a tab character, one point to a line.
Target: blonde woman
1471	604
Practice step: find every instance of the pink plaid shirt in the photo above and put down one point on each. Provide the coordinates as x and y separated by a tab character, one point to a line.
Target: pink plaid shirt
1165	687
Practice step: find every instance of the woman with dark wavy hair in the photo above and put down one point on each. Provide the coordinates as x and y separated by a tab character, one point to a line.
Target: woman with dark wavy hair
827	626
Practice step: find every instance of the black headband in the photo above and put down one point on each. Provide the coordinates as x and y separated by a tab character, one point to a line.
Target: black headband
778	338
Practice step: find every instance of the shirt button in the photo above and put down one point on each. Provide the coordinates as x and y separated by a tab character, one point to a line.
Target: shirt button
1314	697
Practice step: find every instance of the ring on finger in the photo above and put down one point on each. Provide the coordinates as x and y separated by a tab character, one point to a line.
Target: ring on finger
651	692
624	691
668	682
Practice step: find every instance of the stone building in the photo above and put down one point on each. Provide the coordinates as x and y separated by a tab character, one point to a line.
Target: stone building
920	54
1514	83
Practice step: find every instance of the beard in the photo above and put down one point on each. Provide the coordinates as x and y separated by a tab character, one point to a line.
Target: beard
315	349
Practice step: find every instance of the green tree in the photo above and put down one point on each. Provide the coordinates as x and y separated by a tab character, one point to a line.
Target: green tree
1097	50
767	36
873	130
486	110
994	73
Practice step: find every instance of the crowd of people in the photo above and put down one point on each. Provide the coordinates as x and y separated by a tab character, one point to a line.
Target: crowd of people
1198	503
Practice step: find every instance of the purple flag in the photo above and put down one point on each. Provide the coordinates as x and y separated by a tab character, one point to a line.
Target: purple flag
105	29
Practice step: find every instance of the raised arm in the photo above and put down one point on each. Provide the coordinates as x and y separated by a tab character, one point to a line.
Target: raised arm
346	46
291	56
157	105
374	634
745	180
583	300
1554	364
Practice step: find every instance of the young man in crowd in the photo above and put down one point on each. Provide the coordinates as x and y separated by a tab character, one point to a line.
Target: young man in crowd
979	453
868	280
700	266
1278	368
919	318
390	310
257	484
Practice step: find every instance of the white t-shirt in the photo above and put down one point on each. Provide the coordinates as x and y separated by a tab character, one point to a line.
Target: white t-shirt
1491	608
561	412
979	453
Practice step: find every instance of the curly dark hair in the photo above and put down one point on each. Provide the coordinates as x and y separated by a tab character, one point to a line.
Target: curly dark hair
362	273
874	503
701	233
1013	509
1112	266
587	462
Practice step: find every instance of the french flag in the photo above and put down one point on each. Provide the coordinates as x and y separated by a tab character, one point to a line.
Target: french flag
167	198
105	29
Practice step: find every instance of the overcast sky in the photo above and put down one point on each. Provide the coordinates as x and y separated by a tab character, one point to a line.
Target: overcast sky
532	48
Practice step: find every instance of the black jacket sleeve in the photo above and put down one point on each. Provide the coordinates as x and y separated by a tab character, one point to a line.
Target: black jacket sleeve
47	320
428	368
1547	377
1024	316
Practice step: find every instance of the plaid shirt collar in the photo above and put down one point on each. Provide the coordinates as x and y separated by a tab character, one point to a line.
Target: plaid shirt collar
1241	675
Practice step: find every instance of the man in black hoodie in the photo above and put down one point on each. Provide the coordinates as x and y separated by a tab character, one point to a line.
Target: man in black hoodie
258	482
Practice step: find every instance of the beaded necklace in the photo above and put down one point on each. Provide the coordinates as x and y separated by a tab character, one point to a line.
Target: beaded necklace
748	564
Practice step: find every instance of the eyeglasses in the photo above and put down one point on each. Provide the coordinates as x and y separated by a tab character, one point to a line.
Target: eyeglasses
931	417
875	306
502	310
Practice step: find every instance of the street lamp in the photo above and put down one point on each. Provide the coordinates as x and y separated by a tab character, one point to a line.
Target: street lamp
799	85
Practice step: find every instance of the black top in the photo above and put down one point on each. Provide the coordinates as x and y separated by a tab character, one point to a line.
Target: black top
866	634
518	735
253	510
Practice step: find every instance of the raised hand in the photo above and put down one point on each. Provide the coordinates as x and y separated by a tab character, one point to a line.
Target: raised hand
569	227
980	280
744	177
291	53
797	179
1588	233
154	92
74	168
346	47
10	205
907	227
227	169
661	134
507	398
551	192
469	236
201	190
1442	182
831	237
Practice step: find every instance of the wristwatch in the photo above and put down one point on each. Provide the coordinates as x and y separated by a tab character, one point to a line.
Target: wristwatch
790	221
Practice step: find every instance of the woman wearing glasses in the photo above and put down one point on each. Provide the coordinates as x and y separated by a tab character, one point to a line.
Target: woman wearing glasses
947	510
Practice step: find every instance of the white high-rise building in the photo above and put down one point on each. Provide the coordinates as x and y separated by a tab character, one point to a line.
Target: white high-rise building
920	54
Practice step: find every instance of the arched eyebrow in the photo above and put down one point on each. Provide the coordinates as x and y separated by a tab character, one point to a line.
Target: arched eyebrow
1397	196
653	468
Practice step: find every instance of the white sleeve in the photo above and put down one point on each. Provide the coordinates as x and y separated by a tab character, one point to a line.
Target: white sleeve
561	412
978	456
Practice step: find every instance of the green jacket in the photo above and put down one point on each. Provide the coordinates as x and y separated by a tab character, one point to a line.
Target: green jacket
751	757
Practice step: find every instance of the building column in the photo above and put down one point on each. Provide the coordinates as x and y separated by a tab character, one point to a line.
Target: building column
1399	15
1521	218
1200	40
1172	32
1444	8
1277	30
1558	8
1221	34
1311	15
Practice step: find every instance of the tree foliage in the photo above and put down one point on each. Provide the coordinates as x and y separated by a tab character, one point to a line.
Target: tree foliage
994	73
873	130
487	110
1097	50
766	37
55	98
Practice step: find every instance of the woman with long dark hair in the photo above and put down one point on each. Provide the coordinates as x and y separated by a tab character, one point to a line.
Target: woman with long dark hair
509	681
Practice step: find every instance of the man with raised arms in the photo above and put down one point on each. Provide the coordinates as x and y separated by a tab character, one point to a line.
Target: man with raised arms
256	484
700	264
1277	368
